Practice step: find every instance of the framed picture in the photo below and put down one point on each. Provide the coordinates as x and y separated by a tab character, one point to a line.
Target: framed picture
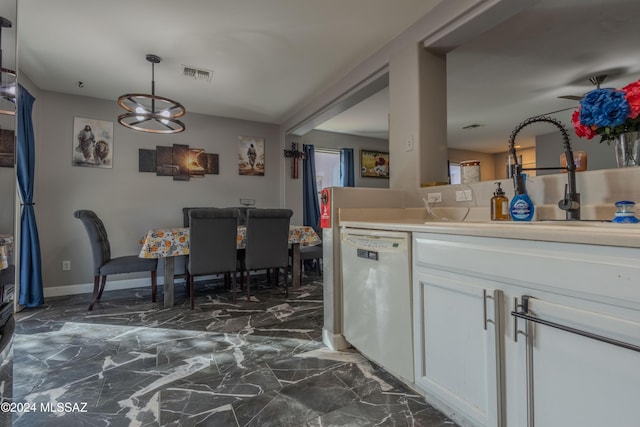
7	148
374	164
92	143
250	155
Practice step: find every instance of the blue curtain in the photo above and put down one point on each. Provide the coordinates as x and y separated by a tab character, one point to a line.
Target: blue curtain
346	168
31	293
310	203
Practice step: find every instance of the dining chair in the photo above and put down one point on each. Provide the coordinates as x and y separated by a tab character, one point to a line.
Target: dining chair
267	243
7	278
104	265
185	223
213	245
312	253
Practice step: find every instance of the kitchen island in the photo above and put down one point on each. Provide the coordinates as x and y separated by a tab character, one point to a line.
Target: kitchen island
522	324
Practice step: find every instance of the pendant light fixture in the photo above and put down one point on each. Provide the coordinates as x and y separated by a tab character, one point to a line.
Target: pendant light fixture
7	80
151	113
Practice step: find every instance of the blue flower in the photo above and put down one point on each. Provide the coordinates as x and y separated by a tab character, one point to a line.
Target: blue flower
604	108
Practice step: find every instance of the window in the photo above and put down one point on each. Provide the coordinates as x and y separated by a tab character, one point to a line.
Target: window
327	168
454	173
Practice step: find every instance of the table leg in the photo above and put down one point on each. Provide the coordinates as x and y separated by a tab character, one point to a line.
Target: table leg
296	270
168	281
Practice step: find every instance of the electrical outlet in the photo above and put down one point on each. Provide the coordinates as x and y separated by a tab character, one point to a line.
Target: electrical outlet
66	265
464	196
434	197
409	146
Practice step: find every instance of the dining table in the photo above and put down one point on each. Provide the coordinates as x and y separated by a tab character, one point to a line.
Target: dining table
169	243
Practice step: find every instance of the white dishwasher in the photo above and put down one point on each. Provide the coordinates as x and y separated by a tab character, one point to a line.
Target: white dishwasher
376	291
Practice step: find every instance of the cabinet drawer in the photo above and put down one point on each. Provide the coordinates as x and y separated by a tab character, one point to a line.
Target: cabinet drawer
597	273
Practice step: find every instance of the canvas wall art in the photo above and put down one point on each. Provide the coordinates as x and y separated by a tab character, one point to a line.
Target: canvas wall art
251	155
7	148
92	143
374	164
178	161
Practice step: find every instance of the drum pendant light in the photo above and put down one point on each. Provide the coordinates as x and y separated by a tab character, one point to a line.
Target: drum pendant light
151	113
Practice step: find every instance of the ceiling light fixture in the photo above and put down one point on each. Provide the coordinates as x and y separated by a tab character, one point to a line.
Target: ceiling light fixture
151	113
8	80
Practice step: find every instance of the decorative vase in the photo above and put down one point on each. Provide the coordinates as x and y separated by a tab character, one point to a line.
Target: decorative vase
627	146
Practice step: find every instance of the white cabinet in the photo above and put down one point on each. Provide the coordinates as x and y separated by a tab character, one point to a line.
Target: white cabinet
549	376
571	376
457	342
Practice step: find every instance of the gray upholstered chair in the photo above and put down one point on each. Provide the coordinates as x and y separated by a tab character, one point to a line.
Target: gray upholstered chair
185	214
267	242
242	219
7	278
104	265
213	245
309	253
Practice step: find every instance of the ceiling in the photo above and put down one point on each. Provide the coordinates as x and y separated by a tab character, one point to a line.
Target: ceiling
519	68
269	56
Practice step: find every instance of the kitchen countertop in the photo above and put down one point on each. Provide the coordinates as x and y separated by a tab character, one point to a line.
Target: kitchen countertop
601	233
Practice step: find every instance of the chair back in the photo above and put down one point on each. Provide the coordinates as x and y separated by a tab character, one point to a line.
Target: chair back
98	238
243	213
185	215
267	238
213	240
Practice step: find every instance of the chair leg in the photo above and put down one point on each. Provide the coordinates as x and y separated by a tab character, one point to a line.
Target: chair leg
286	281
248	286
192	293
104	282
234	288
154	286
96	291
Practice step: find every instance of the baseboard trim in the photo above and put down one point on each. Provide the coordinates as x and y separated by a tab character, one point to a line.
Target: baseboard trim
335	342
115	285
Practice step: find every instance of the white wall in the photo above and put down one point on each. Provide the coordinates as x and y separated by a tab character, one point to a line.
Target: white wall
549	147
128	201
332	140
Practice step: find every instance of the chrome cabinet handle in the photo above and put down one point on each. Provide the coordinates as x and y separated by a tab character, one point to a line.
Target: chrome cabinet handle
485	320
525	314
484	309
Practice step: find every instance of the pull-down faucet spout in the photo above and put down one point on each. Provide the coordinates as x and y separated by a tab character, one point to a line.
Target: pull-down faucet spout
571	201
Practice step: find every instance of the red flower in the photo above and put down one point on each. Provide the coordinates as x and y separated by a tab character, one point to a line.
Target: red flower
581	130
632	94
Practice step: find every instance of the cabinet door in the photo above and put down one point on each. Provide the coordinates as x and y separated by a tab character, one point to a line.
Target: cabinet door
578	380
456	331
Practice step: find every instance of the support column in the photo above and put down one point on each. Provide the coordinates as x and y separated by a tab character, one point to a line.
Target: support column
418	120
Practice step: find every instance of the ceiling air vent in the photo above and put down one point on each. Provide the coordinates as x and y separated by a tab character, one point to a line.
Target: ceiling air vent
194	73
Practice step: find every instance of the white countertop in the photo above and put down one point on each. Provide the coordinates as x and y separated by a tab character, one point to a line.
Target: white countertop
585	232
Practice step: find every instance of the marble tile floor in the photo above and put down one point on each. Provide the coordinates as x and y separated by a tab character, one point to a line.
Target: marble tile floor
130	362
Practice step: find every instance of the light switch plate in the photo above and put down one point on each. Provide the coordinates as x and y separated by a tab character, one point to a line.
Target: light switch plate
410	142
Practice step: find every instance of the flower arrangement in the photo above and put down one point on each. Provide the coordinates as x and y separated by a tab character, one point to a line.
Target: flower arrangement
608	112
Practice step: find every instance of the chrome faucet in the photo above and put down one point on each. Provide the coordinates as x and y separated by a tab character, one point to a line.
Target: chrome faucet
571	201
